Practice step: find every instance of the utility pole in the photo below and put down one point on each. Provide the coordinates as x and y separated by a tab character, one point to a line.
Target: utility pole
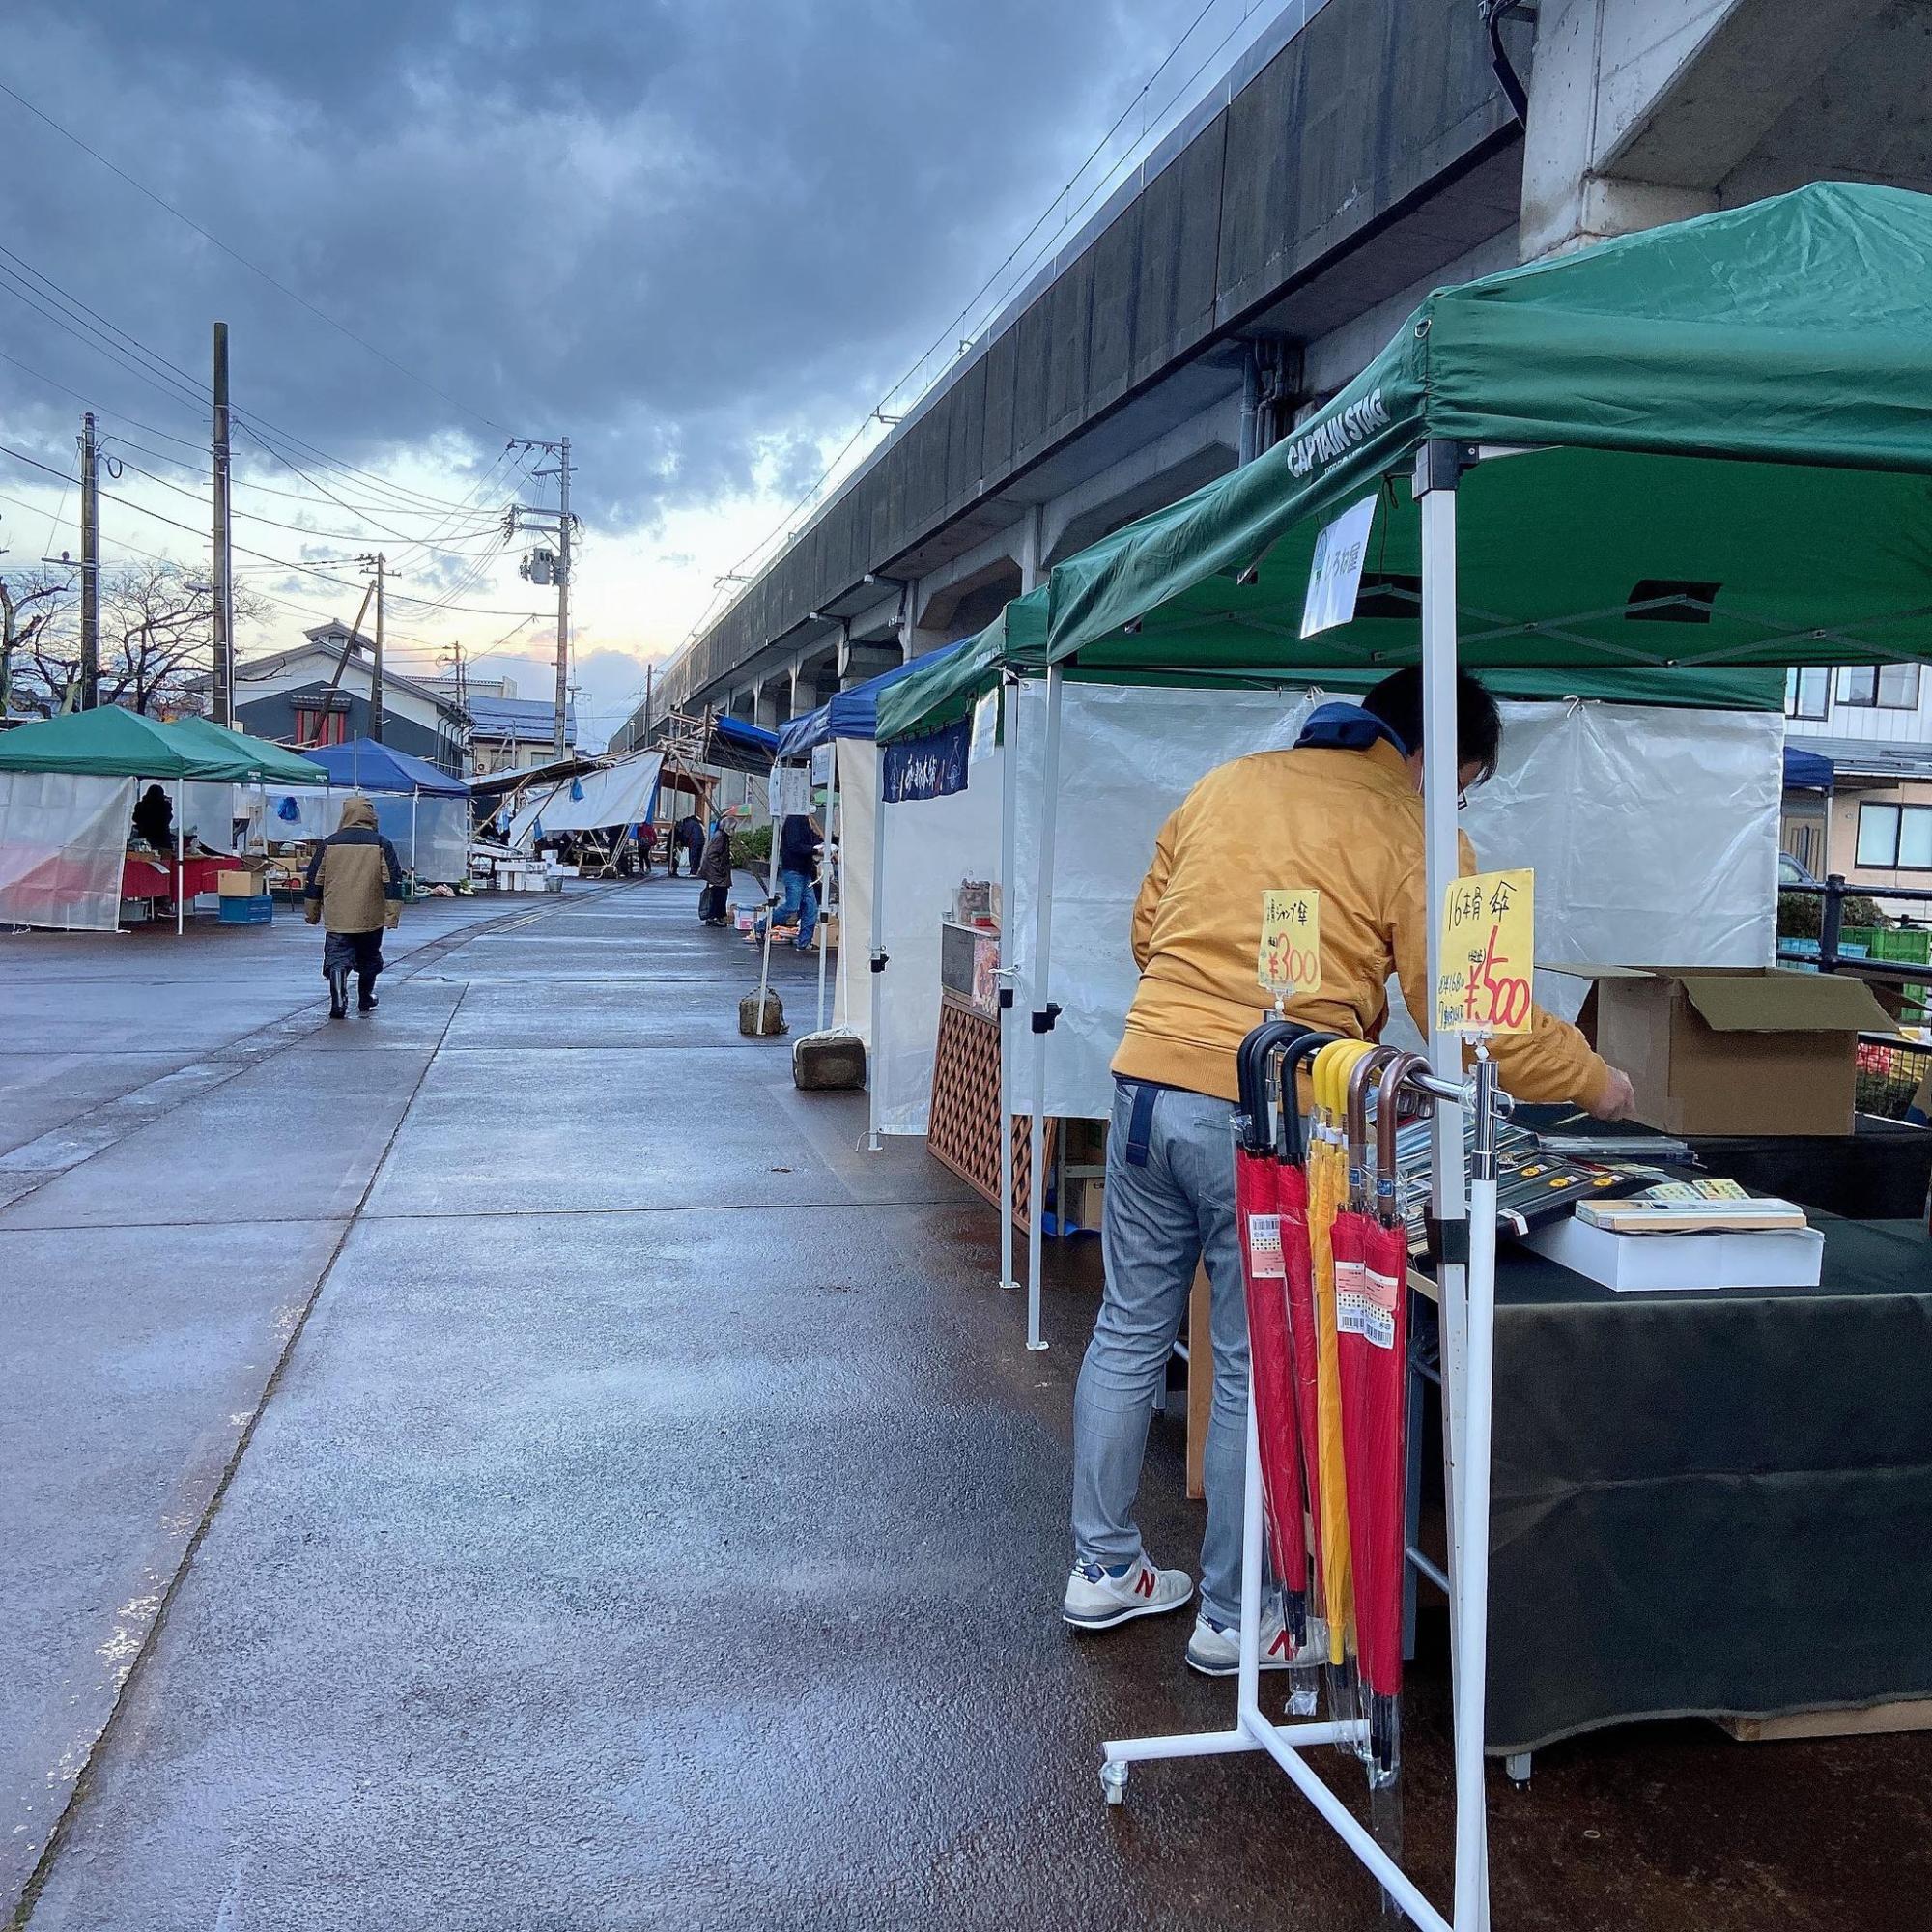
539	567
650	664
563	593
379	563
90	568
224	577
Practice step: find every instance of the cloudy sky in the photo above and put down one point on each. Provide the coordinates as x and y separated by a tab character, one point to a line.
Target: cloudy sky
703	239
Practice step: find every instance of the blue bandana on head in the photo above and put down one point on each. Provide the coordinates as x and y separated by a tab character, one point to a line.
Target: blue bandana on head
1345	727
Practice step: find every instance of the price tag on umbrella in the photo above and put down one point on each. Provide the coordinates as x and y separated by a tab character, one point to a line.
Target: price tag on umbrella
1290	960
1489	950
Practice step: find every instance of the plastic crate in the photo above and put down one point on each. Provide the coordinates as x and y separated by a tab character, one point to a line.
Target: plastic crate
246	912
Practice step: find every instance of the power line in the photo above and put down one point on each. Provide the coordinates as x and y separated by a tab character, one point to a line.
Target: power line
159	372
282	288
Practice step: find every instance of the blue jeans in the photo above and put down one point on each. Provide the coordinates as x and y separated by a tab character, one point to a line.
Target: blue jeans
1163	1214
800	902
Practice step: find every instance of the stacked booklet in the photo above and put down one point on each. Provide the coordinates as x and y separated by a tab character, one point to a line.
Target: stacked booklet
1691	1236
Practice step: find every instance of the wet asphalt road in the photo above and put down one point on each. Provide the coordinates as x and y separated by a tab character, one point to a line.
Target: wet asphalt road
514	1463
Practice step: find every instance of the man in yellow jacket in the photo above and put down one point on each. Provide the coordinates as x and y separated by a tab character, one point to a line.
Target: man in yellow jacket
1341	813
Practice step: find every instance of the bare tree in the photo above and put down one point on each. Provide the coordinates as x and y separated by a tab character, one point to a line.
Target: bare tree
156	637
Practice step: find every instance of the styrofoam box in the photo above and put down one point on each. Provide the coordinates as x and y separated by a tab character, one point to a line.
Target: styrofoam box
1782	1258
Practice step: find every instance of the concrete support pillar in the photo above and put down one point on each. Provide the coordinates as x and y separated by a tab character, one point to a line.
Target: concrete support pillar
1647	111
1033	548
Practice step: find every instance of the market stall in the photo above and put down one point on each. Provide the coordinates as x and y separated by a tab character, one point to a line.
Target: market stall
422	811
836	741
1705	444
603	807
67	788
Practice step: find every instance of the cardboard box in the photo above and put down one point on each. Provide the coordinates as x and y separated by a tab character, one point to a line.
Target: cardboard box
245	881
1731	1050
1790	1258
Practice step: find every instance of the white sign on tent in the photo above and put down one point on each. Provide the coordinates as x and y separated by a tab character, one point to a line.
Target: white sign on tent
1335	573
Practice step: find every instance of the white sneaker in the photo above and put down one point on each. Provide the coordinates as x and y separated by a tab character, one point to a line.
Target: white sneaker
1095	1600
1216	1649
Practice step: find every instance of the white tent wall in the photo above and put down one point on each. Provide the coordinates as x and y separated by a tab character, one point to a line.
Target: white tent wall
931	844
62	841
431	834
1683	876
858	809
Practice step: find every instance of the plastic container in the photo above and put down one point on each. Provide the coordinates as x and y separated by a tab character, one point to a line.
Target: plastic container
257	911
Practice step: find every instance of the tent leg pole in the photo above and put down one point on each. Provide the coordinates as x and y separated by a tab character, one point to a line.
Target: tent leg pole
877	961
181	864
1465	1299
1042	986
825	877
771	909
1009	775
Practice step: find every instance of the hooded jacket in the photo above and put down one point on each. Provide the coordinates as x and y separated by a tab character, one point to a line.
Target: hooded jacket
354	880
715	866
1349	823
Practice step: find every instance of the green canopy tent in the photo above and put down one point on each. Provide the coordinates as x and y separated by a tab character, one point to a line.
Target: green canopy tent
267	763
112	743
1704	447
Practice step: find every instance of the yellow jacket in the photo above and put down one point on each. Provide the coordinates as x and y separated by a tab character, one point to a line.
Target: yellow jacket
1348	824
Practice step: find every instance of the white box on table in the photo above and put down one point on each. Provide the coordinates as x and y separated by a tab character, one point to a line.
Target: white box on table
1783	1258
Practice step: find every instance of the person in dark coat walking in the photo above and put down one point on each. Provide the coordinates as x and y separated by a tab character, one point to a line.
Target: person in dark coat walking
354	892
713	867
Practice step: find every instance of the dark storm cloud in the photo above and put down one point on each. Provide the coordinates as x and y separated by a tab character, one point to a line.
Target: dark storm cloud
671	230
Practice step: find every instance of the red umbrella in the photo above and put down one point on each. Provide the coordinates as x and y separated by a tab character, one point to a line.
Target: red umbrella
1372	1346
1257	1217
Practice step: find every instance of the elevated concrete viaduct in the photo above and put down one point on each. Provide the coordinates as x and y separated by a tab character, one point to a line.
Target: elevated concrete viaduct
1361	153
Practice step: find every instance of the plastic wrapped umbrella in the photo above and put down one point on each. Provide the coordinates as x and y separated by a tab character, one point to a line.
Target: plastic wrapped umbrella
1298	1283
1327	1179
1257	1218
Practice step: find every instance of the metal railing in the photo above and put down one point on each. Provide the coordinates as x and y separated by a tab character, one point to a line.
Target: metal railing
1891	1070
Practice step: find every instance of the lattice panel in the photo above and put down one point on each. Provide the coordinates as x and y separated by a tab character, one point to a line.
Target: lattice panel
964	1131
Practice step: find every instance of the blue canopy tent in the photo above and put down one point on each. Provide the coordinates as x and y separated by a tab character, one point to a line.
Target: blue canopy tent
1807	771
854	713
364	765
421	810
733	745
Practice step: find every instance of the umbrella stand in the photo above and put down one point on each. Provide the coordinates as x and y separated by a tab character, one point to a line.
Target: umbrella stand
1465	1280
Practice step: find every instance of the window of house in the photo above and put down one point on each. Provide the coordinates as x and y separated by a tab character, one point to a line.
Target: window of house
1880	686
1807	692
1895	836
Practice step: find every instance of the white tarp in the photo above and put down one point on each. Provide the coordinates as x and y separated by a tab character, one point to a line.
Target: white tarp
858	809
931	845
431	834
1654	834
619	794
62	841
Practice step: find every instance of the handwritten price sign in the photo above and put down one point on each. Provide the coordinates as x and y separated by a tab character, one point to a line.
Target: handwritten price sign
1290	960
1488	948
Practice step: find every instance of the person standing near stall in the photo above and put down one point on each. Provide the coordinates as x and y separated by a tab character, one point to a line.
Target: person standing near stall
354	892
1340	812
713	867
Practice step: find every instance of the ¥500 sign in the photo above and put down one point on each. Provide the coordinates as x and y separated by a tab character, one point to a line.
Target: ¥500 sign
1488	949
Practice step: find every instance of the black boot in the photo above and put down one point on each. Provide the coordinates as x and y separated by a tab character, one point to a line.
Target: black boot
338	991
365	995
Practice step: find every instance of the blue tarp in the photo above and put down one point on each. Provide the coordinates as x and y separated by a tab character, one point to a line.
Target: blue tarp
733	745
854	713
367	766
1807	771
